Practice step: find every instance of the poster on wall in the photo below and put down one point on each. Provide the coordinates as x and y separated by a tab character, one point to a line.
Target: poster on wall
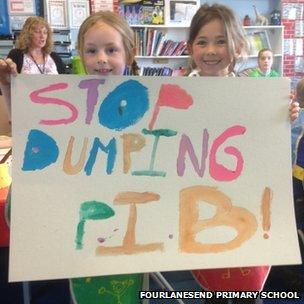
78	12
57	14
25	7
4	19
180	12
103	5
129	175
17	22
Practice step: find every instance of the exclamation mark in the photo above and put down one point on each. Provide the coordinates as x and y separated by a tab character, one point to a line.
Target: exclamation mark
265	210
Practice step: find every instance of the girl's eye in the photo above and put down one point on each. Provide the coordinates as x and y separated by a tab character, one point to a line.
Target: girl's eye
111	50
90	51
202	42
221	41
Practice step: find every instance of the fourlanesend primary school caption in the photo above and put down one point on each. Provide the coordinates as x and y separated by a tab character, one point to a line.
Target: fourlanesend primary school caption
220	295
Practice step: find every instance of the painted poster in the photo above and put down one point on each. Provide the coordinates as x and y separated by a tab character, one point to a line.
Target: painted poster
142	174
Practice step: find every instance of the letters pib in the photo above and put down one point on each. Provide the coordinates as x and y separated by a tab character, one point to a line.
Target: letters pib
141	174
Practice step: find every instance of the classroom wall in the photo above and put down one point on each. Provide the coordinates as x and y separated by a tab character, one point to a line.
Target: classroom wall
243	8
289	33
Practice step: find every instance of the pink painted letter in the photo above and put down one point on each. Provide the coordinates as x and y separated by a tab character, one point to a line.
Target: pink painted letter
218	171
36	98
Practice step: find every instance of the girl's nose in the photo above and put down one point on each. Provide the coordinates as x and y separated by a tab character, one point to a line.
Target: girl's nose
102	58
211	49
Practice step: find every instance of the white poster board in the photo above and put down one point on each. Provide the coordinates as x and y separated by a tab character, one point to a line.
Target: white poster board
123	175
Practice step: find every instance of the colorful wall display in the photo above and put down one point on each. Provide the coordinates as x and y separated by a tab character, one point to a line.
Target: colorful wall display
121	175
4	20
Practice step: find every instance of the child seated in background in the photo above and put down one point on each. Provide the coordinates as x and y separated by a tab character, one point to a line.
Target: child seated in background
265	61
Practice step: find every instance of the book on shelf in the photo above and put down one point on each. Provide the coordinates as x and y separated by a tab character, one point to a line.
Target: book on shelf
154	38
165	47
152	71
150	37
160	45
162	71
258	40
180	48
153	11
153	42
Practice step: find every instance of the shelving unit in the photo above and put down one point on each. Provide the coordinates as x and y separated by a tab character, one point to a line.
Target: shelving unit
275	36
62	46
177	34
175	28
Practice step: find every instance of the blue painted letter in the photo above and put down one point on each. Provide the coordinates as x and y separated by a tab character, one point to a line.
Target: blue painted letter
110	149
124	106
41	150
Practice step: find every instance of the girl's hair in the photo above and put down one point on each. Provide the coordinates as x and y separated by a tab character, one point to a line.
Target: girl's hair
300	92
134	68
264	50
238	45
114	21
24	39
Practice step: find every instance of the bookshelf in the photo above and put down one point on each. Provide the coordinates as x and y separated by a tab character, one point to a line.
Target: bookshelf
62	46
270	36
162	44
170	51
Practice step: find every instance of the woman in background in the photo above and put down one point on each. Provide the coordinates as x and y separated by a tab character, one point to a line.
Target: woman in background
33	53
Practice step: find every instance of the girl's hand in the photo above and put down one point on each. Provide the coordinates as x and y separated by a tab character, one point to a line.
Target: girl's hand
294	107
7	68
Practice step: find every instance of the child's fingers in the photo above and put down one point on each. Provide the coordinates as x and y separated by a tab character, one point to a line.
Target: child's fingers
294	109
12	66
292	96
3	72
7	68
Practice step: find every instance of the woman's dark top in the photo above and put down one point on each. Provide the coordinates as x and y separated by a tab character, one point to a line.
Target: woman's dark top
17	56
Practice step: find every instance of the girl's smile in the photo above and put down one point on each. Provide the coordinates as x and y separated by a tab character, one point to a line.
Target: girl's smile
103	71
212	62
209	50
104	52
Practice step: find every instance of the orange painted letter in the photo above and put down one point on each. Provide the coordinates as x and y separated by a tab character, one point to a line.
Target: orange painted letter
240	219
